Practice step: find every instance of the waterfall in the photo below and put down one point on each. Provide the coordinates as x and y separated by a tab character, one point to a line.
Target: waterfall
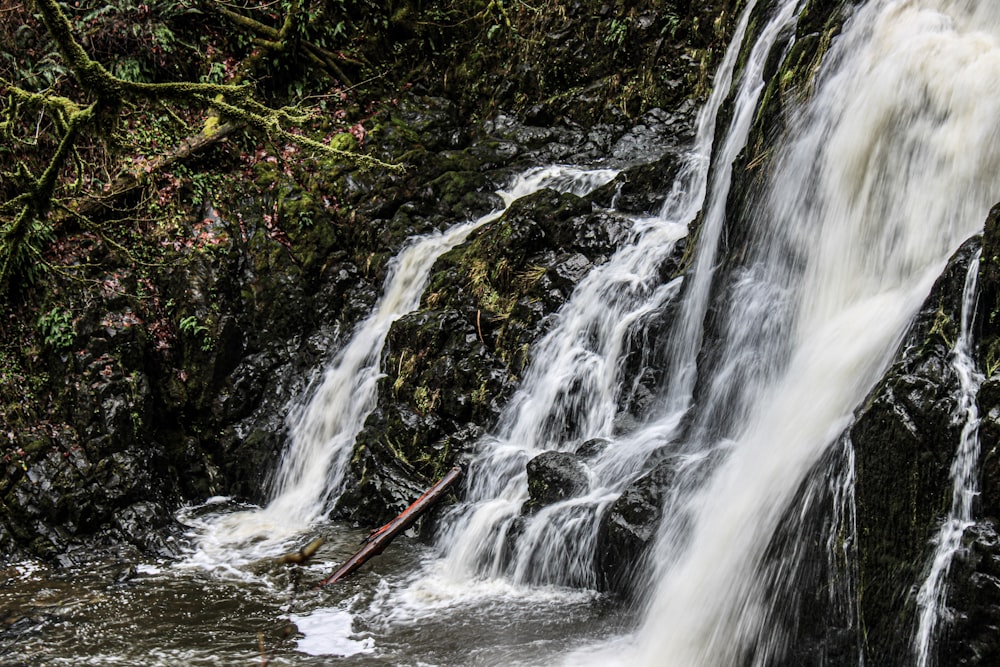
322	432
886	170
323	428
572	392
964	472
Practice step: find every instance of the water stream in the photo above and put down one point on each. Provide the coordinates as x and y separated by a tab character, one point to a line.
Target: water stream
883	175
964	473
323	428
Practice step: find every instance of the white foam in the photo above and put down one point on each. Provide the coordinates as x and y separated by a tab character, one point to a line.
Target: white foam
330	632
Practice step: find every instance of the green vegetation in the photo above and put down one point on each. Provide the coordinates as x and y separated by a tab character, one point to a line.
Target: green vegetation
82	137
192	327
56	327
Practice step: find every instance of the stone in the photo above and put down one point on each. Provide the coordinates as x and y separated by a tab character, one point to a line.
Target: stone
628	529
554	476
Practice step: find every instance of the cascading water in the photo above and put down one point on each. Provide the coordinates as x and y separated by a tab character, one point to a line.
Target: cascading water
880	177
890	166
778	332
964	473
323	429
575	388
887	170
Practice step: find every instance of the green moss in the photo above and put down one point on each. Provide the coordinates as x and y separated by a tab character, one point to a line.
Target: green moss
943	327
992	356
345	141
425	399
265	174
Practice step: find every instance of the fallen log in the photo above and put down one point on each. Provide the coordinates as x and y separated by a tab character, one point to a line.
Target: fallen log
379	539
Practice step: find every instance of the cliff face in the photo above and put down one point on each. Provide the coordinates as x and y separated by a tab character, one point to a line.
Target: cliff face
140	380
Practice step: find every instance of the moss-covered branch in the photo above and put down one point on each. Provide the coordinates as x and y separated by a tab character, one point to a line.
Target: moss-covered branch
271	38
17	246
236	101
104	99
48	101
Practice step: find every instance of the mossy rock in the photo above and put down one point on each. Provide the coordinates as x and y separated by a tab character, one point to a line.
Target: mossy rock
904	438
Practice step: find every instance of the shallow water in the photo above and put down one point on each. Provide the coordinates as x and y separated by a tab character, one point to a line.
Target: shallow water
188	612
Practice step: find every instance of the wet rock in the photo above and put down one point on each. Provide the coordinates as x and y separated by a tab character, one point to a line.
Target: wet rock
554	476
970	632
988	328
142	523
989	441
905	437
640	189
628	529
592	448
442	383
656	132
452	365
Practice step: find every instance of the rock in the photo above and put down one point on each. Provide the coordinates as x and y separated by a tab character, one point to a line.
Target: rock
592	448
640	189
904	438
970	633
450	366
628	529
554	476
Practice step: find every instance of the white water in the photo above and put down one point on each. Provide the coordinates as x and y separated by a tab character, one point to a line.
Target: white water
322	430
964	473
322	433
576	385
888	169
890	166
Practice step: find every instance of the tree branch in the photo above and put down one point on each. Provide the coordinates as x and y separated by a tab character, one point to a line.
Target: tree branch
270	36
20	238
135	178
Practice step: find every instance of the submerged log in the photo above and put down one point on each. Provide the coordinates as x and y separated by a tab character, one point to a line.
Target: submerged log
379	539
302	556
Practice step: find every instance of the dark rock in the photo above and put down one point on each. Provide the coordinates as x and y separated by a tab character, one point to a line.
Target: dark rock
970	635
989	441
554	476
641	189
656	132
592	448
628	529
451	365
904	439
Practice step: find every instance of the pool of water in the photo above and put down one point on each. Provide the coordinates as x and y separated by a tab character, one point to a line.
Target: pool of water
192	611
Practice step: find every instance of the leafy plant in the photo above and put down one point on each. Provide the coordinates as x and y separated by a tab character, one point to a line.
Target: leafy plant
616	34
191	326
56	327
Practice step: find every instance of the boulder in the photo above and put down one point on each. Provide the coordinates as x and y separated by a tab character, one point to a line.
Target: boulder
628	529
554	476
904	438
